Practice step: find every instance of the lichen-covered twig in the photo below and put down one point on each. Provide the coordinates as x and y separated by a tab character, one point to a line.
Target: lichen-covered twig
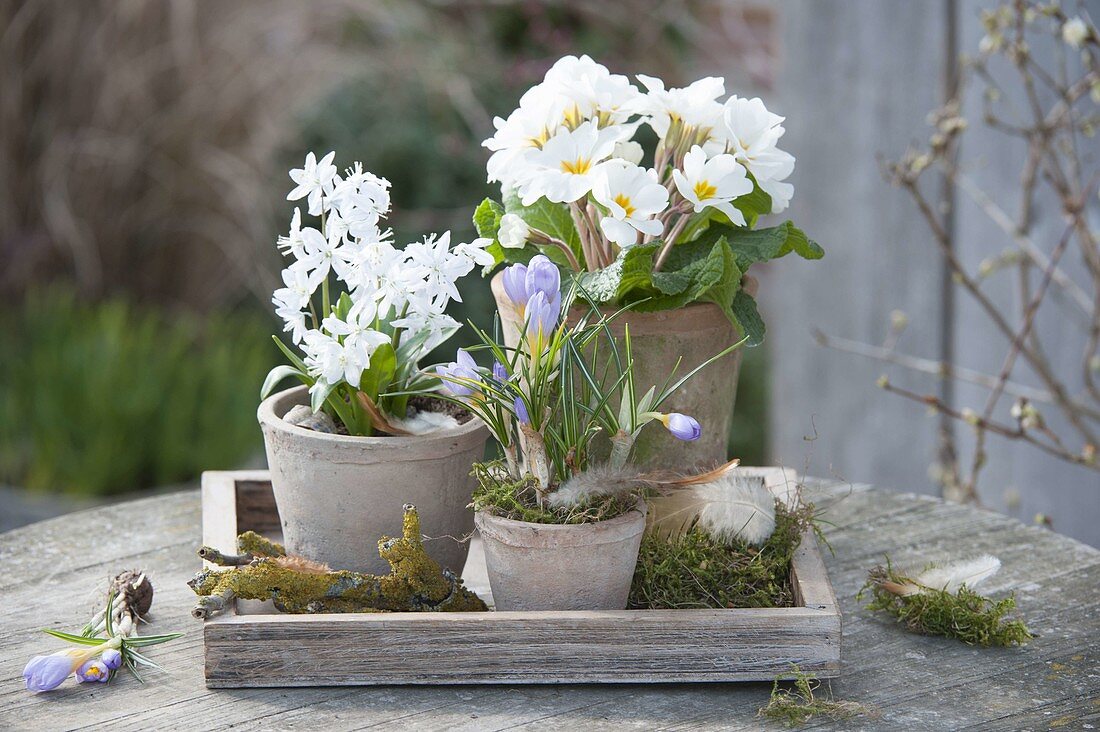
416	582
962	614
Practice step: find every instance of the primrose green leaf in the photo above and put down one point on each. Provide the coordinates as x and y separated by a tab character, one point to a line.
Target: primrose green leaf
636	280
550	218
753	205
748	318
761	245
487	218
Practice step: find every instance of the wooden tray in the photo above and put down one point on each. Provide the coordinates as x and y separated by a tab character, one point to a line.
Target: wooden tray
254	645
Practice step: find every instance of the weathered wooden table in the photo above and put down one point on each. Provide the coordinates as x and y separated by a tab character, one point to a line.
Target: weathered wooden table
50	573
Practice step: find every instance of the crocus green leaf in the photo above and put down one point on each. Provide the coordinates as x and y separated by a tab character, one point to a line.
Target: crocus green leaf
550	218
748	317
140	641
82	640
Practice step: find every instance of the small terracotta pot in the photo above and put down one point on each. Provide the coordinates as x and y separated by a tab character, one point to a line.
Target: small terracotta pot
561	566
691	334
338	495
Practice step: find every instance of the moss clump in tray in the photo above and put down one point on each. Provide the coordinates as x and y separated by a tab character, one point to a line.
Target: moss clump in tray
516	500
697	571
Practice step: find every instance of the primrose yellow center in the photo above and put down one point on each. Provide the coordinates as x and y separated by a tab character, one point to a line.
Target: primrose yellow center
704	190
580	166
624	202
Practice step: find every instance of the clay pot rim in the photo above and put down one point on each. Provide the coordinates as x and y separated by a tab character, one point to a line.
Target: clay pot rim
549	536
467	434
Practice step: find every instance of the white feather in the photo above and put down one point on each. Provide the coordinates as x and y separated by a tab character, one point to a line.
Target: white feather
598	480
729	507
950	577
423	422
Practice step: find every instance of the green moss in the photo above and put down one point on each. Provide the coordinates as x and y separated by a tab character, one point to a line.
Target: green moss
517	500
967	616
696	571
416	581
798	704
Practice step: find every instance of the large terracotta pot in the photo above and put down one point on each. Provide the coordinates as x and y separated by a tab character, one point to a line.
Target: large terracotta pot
691	334
561	566
337	495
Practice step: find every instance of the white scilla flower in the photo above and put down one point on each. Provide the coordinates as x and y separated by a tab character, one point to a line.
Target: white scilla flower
564	170
513	232
713	183
331	361
439	268
292	243
1075	32
357	330
313	181
475	252
632	197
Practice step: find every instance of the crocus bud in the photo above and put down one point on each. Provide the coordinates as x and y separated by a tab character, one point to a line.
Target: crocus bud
499	372
112	658
521	411
542	276
682	426
515	284
513	232
542	317
43	673
457	373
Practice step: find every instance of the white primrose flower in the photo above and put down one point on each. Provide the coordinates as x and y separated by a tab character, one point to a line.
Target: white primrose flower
1075	32
713	183
629	151
752	134
591	92
514	232
632	197
565	169
437	266
313	181
695	106
535	121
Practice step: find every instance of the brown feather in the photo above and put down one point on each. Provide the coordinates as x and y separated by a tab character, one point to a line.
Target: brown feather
301	564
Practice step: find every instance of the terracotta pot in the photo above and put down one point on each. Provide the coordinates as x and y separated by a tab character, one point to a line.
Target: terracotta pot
693	334
561	567
337	495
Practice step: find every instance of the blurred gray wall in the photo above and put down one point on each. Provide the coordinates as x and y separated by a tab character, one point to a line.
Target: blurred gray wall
857	80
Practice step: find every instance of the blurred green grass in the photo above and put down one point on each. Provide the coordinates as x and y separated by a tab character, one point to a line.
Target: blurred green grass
108	397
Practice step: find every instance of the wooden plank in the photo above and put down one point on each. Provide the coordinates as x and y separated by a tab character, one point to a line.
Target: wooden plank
255	647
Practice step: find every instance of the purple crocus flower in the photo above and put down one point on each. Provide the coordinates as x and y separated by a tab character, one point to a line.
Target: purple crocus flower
464	367
43	673
93	671
542	276
111	658
542	316
682	426
499	372
521	411
515	284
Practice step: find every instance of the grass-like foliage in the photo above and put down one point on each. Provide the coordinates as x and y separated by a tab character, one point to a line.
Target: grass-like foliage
517	500
966	615
111	397
696	571
798	704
